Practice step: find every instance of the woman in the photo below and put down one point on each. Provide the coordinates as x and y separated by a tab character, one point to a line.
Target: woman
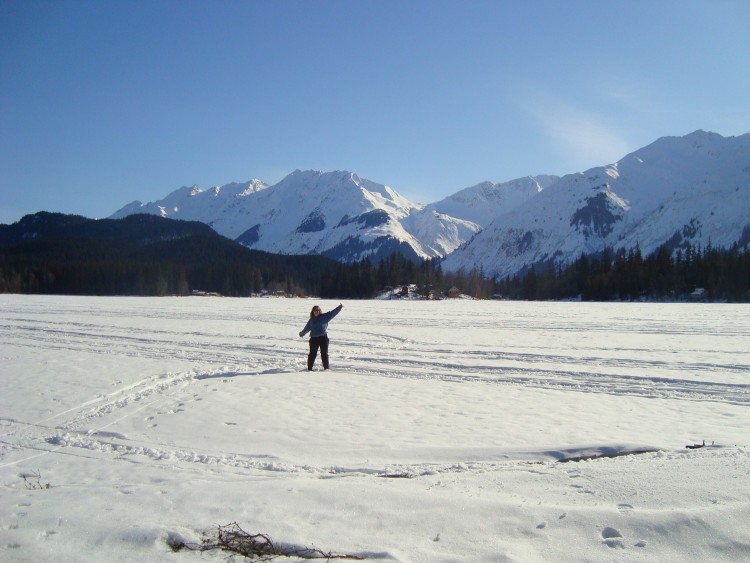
317	326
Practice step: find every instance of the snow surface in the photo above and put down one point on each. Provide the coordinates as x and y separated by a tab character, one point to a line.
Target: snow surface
439	435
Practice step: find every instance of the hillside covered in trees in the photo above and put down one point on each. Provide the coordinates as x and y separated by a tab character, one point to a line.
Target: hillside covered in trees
142	255
148	255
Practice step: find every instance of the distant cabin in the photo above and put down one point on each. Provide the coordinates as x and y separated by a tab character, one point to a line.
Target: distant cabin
453	292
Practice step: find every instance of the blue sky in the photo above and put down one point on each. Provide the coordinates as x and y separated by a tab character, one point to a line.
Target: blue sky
103	102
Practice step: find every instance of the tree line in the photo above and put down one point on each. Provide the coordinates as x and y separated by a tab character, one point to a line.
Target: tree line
723	274
718	275
145	255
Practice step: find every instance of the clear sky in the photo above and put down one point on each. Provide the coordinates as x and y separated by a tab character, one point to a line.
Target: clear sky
104	102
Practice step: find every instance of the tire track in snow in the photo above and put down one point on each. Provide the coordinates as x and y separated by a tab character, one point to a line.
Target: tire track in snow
534	376
103	340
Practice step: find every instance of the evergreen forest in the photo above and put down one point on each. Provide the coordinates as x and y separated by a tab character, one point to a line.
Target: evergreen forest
49	253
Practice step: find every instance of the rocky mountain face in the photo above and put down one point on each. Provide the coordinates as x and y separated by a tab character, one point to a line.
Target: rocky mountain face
677	191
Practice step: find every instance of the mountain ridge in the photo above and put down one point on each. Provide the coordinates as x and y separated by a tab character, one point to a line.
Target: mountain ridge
675	188
693	189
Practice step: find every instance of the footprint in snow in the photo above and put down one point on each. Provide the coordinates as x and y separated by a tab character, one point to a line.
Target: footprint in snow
107	434
583	490
612	537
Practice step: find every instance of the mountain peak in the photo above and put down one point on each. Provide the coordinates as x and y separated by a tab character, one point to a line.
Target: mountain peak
702	134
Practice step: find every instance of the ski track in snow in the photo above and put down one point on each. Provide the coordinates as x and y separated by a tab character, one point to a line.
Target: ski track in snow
610	375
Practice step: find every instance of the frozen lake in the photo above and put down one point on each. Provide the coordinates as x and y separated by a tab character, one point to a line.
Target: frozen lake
438	435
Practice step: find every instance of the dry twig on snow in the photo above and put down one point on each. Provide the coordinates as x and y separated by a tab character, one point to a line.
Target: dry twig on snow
236	540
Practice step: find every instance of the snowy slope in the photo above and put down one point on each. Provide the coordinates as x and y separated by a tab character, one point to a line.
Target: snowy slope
482	203
444	225
693	189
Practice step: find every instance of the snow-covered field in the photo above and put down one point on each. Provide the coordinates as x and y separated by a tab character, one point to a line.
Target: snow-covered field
440	434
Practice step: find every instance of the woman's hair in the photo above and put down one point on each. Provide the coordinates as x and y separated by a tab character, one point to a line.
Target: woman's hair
315	308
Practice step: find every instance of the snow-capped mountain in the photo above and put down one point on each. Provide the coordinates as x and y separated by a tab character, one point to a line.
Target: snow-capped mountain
678	190
336	214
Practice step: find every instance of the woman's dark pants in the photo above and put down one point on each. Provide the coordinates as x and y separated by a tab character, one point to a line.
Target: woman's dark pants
315	343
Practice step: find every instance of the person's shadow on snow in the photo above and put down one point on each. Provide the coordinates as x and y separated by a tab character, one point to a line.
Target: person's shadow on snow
228	374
